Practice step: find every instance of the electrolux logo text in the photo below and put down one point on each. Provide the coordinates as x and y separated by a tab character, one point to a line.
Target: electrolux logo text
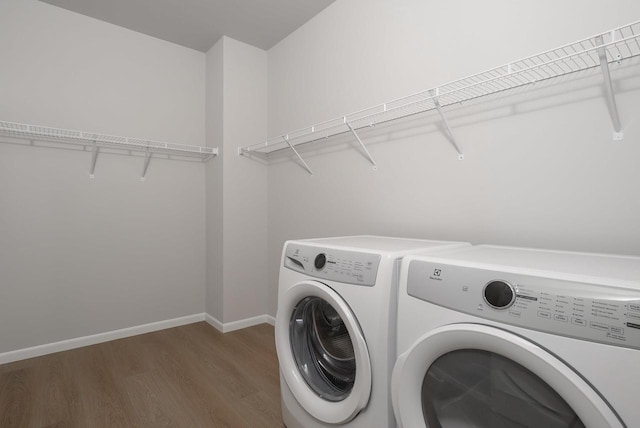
437	274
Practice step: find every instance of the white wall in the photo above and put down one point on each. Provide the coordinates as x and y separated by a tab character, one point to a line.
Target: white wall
214	182
81	256
540	169
244	182
236	187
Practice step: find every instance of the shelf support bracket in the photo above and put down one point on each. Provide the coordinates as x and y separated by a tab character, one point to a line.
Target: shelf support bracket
355	134
452	137
214	152
298	155
94	158
147	159
618	134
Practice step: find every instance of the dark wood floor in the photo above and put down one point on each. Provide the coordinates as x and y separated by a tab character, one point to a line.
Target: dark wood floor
190	376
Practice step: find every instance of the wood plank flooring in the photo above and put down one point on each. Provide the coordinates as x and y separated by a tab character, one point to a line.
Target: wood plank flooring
189	376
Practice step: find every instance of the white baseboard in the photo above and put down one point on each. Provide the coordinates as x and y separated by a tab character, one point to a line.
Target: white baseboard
79	342
240	324
64	345
214	322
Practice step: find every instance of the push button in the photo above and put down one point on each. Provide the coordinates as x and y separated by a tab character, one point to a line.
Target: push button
578	321
560	317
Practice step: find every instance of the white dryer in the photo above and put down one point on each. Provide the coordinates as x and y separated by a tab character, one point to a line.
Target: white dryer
335	328
494	337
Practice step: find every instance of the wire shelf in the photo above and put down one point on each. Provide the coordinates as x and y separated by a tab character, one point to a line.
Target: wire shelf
93	140
617	45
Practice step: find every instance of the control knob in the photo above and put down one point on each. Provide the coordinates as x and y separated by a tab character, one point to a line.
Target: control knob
499	294
320	261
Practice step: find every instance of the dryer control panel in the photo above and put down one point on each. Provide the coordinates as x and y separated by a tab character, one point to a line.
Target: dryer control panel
599	313
351	267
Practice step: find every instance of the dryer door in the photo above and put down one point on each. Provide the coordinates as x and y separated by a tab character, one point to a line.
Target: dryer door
323	355
471	375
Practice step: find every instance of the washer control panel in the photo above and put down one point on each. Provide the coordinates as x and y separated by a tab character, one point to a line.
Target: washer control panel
351	267
586	311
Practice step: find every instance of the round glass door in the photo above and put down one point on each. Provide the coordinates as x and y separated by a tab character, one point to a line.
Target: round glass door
323	355
482	389
322	348
479	376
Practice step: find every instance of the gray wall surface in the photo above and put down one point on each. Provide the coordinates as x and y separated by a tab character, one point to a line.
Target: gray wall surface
215	180
81	256
236	188
540	167
245	182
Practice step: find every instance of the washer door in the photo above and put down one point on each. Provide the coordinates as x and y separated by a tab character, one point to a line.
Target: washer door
470	375
323	355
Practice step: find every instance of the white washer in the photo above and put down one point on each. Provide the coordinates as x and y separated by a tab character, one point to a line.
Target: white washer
335	328
493	337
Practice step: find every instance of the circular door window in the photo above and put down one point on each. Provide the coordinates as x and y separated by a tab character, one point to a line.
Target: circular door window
322	348
483	389
471	375
323	355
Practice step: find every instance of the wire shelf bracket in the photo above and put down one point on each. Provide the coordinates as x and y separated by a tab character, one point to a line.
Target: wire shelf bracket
452	137
304	164
364	148
601	51
618	134
94	158
95	142
145	165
